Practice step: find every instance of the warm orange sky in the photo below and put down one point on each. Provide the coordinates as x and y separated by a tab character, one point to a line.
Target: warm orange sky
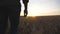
42	7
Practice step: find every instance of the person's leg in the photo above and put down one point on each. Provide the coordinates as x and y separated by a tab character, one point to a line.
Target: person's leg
3	20
14	19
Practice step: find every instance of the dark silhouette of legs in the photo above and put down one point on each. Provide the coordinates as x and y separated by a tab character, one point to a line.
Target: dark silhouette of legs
14	15
3	20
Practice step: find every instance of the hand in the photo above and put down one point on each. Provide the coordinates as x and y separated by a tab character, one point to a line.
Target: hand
25	13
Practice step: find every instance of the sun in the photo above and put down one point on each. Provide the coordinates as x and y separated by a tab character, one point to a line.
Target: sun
32	13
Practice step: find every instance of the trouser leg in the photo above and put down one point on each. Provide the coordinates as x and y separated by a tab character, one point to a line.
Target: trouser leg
3	21
14	24
14	19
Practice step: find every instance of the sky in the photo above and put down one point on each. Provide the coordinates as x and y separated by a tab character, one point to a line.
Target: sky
42	7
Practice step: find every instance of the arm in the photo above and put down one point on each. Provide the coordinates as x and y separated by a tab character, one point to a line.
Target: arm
25	2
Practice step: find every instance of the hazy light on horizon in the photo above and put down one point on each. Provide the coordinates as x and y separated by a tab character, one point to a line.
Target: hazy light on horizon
42	7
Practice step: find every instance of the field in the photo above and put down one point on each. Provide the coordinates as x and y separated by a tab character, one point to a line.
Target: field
39	25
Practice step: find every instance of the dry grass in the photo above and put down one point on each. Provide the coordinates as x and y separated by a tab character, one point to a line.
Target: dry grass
40	25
